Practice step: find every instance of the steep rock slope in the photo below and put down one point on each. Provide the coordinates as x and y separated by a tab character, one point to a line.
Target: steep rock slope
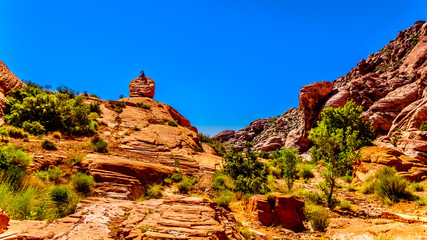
389	84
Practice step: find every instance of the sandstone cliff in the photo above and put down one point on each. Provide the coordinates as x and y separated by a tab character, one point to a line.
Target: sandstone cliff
389	84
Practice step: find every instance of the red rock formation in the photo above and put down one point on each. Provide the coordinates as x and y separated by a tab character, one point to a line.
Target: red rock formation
4	221
286	210
8	81
142	86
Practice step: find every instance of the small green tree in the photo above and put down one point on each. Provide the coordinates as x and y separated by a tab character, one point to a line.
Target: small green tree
249	175
340	132
289	159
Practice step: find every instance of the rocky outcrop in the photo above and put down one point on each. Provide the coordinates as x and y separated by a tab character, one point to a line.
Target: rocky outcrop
261	132
390	85
8	81
375	158
4	221
284	210
176	217
142	86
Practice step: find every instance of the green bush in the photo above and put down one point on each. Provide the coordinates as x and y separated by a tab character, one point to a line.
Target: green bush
305	170
345	205
38	111
15	132
369	186
13	162
177	177
143	105
94	107
421	202
223	198
154	191
186	184
34	127
76	159
418	187
249	175
314	197
54	174
318	217
99	145
60	194
264	154
348	178
42	175
49	145
423	126
391	188
82	182
172	123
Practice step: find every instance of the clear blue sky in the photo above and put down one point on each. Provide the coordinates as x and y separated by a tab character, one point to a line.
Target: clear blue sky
222	64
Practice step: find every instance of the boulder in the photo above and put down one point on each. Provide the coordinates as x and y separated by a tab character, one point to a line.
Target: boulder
142	86
284	210
4	221
224	135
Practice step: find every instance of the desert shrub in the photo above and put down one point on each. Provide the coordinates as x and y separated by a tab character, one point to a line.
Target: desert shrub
99	145
369	186
60	194
249	175
392	187
54	174
271	199
49	145
305	170
33	127
423	126
318	217
223	198
94	107
57	135
15	132
264	154
275	171
13	162
421	202
76	159
154	191
345	205
143	105
172	123
418	187
314	197
177	177
186	184
42	175
82	182
348	178
38	111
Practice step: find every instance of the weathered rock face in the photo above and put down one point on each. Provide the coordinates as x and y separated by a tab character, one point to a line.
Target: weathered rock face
8	81
374	159
286	210
261	132
142	86
391	85
176	217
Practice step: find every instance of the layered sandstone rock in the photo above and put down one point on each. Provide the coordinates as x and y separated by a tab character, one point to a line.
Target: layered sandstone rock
142	86
260	132
176	217
8	81
286	211
374	159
